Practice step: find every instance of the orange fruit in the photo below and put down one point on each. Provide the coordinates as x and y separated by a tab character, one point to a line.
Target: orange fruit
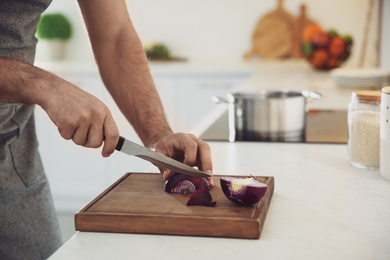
333	62
319	58
337	47
320	39
309	31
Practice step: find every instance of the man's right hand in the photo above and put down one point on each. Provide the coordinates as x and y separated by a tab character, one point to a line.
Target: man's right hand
78	115
81	117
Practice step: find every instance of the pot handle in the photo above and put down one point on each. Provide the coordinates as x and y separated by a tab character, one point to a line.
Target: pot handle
219	100
311	94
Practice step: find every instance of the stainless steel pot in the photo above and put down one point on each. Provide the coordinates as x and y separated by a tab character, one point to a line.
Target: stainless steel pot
268	115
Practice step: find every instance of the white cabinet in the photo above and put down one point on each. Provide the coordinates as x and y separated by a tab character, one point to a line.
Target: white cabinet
188	98
195	97
77	174
166	90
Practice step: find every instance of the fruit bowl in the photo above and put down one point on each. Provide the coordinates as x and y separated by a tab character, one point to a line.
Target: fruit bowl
325	49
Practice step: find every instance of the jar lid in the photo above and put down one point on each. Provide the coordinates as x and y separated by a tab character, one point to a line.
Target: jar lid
369	94
386	90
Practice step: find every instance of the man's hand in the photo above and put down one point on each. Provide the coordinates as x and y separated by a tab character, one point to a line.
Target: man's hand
81	117
78	115
188	149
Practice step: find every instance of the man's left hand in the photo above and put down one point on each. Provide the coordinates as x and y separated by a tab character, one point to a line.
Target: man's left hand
188	149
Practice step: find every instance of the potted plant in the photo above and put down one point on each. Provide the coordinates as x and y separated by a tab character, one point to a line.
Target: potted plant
157	51
56	29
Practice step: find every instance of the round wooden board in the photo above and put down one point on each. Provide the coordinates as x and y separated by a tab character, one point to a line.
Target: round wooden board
301	22
274	34
272	39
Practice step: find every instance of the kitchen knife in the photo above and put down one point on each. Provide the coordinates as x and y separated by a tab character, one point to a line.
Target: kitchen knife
131	148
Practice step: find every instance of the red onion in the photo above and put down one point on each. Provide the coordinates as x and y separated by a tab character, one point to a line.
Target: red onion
201	197
198	187
183	184
243	191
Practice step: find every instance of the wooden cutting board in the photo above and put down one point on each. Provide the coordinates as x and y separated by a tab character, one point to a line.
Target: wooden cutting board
274	34
301	22
137	203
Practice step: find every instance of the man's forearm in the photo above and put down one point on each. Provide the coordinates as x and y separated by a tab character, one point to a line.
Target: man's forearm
77	114
128	79
21	82
124	69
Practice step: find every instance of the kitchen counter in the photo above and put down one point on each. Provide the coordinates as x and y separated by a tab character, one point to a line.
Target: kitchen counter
322	208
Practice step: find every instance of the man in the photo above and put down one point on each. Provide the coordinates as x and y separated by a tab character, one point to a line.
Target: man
28	225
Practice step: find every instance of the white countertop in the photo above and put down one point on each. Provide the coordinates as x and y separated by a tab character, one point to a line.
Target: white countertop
322	208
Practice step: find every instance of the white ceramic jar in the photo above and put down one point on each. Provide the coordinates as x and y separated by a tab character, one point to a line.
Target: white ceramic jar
385	134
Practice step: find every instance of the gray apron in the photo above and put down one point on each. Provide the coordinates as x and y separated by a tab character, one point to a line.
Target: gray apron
28	223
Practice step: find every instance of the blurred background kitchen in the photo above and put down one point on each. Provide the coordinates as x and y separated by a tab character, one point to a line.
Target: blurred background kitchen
207	41
221	30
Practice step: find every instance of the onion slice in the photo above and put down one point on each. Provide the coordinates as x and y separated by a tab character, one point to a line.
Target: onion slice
198	187
201	197
243	191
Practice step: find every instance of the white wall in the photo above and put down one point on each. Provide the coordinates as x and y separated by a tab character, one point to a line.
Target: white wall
385	39
220	29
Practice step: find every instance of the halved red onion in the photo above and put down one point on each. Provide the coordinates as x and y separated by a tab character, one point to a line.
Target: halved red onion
243	191
198	187
183	184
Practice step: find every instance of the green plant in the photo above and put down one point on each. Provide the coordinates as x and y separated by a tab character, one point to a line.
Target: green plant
158	51
54	26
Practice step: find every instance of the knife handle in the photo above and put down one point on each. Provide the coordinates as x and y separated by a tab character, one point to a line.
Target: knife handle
120	143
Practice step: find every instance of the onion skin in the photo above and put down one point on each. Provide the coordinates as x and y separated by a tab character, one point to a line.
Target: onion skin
198	187
243	191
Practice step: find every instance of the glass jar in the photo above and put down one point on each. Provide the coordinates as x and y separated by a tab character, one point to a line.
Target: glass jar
364	129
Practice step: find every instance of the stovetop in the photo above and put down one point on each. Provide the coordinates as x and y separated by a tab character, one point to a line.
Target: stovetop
322	126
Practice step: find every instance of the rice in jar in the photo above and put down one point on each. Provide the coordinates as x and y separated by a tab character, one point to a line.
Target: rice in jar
364	129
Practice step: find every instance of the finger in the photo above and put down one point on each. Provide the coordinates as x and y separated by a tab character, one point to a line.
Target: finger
166	173
111	136
95	136
204	158
80	135
204	153
205	163
210	179
190	148
66	133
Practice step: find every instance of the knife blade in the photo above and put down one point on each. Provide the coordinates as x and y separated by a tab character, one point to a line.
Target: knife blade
130	148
